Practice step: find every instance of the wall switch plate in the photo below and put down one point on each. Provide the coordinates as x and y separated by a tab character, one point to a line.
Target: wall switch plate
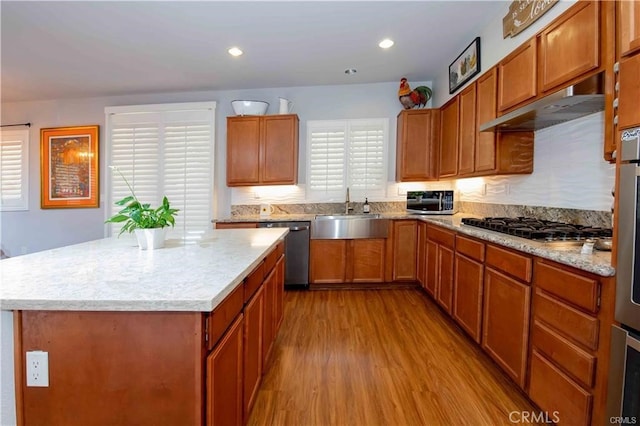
38	369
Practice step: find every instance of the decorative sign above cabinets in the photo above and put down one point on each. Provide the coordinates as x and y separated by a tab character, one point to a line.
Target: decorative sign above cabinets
523	13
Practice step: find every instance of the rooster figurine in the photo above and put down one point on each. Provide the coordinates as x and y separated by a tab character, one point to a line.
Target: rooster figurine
412	98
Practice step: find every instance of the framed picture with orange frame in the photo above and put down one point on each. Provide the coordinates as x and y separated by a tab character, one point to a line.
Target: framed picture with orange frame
69	167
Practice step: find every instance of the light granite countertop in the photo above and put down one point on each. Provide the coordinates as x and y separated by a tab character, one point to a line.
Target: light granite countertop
114	275
598	262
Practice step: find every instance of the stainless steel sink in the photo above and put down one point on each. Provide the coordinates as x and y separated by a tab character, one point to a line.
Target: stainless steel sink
353	226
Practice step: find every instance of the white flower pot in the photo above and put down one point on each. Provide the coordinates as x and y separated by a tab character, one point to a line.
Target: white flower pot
151	239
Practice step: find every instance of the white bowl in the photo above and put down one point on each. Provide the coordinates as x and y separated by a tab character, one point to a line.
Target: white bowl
249	107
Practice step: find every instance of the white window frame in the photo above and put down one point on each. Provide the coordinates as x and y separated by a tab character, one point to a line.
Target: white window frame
21	203
355	193
159	108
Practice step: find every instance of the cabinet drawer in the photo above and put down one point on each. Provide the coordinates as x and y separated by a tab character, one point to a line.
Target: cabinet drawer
557	394
577	326
579	364
253	281
273	257
224	314
441	236
514	264
236	225
573	288
470	248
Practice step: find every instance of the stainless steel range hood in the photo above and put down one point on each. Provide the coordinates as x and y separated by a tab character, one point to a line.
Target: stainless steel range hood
579	100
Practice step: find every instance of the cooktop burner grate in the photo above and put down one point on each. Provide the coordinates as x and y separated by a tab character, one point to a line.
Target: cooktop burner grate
537	229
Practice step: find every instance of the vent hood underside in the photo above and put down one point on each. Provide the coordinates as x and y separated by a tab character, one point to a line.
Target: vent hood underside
568	104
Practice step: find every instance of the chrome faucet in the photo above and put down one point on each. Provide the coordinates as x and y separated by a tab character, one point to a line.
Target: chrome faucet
347	203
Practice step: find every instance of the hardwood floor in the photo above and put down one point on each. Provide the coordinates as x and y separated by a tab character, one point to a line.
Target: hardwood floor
379	357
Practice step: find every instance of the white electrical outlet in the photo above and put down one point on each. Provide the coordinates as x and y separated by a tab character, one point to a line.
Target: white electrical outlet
38	369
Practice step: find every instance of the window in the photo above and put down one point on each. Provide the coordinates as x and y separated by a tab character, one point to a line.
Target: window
14	170
347	154
164	150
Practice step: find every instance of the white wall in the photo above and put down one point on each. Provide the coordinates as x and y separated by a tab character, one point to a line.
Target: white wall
493	47
38	229
568	171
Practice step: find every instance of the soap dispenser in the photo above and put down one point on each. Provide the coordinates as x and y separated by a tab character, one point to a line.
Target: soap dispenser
365	207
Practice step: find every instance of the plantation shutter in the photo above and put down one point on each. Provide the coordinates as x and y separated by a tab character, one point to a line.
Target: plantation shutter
14	170
347	153
367	160
167	151
327	156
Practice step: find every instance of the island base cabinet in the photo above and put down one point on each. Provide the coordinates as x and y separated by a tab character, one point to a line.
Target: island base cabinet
224	379
254	322
147	364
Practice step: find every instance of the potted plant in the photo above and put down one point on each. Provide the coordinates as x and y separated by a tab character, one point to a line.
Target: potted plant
148	223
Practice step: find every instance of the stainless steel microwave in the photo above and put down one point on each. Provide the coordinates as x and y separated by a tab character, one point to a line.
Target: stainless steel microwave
430	202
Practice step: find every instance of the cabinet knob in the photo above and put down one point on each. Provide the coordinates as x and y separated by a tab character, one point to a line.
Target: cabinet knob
617	87
616	67
615	120
615	103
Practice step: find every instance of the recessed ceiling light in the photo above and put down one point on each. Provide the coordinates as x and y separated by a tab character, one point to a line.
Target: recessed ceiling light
350	71
386	43
234	51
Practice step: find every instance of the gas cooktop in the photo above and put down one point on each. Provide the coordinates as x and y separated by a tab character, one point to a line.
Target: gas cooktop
537	229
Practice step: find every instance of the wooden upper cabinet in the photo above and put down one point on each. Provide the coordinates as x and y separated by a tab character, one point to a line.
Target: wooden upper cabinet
468	131
517	76
486	110
243	150
279	159
570	46
628	111
262	150
449	138
628	26
417	145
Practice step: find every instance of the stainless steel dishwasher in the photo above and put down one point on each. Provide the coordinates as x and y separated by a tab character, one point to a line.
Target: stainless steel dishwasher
296	251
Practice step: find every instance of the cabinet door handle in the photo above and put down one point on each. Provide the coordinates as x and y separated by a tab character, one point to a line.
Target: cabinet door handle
298	228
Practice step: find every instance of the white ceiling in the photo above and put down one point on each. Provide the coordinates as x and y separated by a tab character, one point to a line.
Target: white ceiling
55	50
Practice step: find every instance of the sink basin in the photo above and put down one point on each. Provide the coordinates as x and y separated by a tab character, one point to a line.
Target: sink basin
353	226
347	216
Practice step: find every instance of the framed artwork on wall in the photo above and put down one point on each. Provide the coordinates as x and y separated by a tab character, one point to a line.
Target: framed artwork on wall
69	167
466	65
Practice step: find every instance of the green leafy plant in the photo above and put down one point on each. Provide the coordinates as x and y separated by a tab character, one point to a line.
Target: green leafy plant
136	215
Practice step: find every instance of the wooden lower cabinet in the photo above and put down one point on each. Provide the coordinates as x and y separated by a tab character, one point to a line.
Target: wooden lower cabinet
431	268
254	343
468	289
225	368
236	225
421	255
505	335
445	262
571	322
347	261
327	261
440	265
468	285
404	241
557	394
367	260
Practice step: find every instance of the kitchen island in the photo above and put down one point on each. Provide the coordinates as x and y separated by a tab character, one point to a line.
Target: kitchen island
137	337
